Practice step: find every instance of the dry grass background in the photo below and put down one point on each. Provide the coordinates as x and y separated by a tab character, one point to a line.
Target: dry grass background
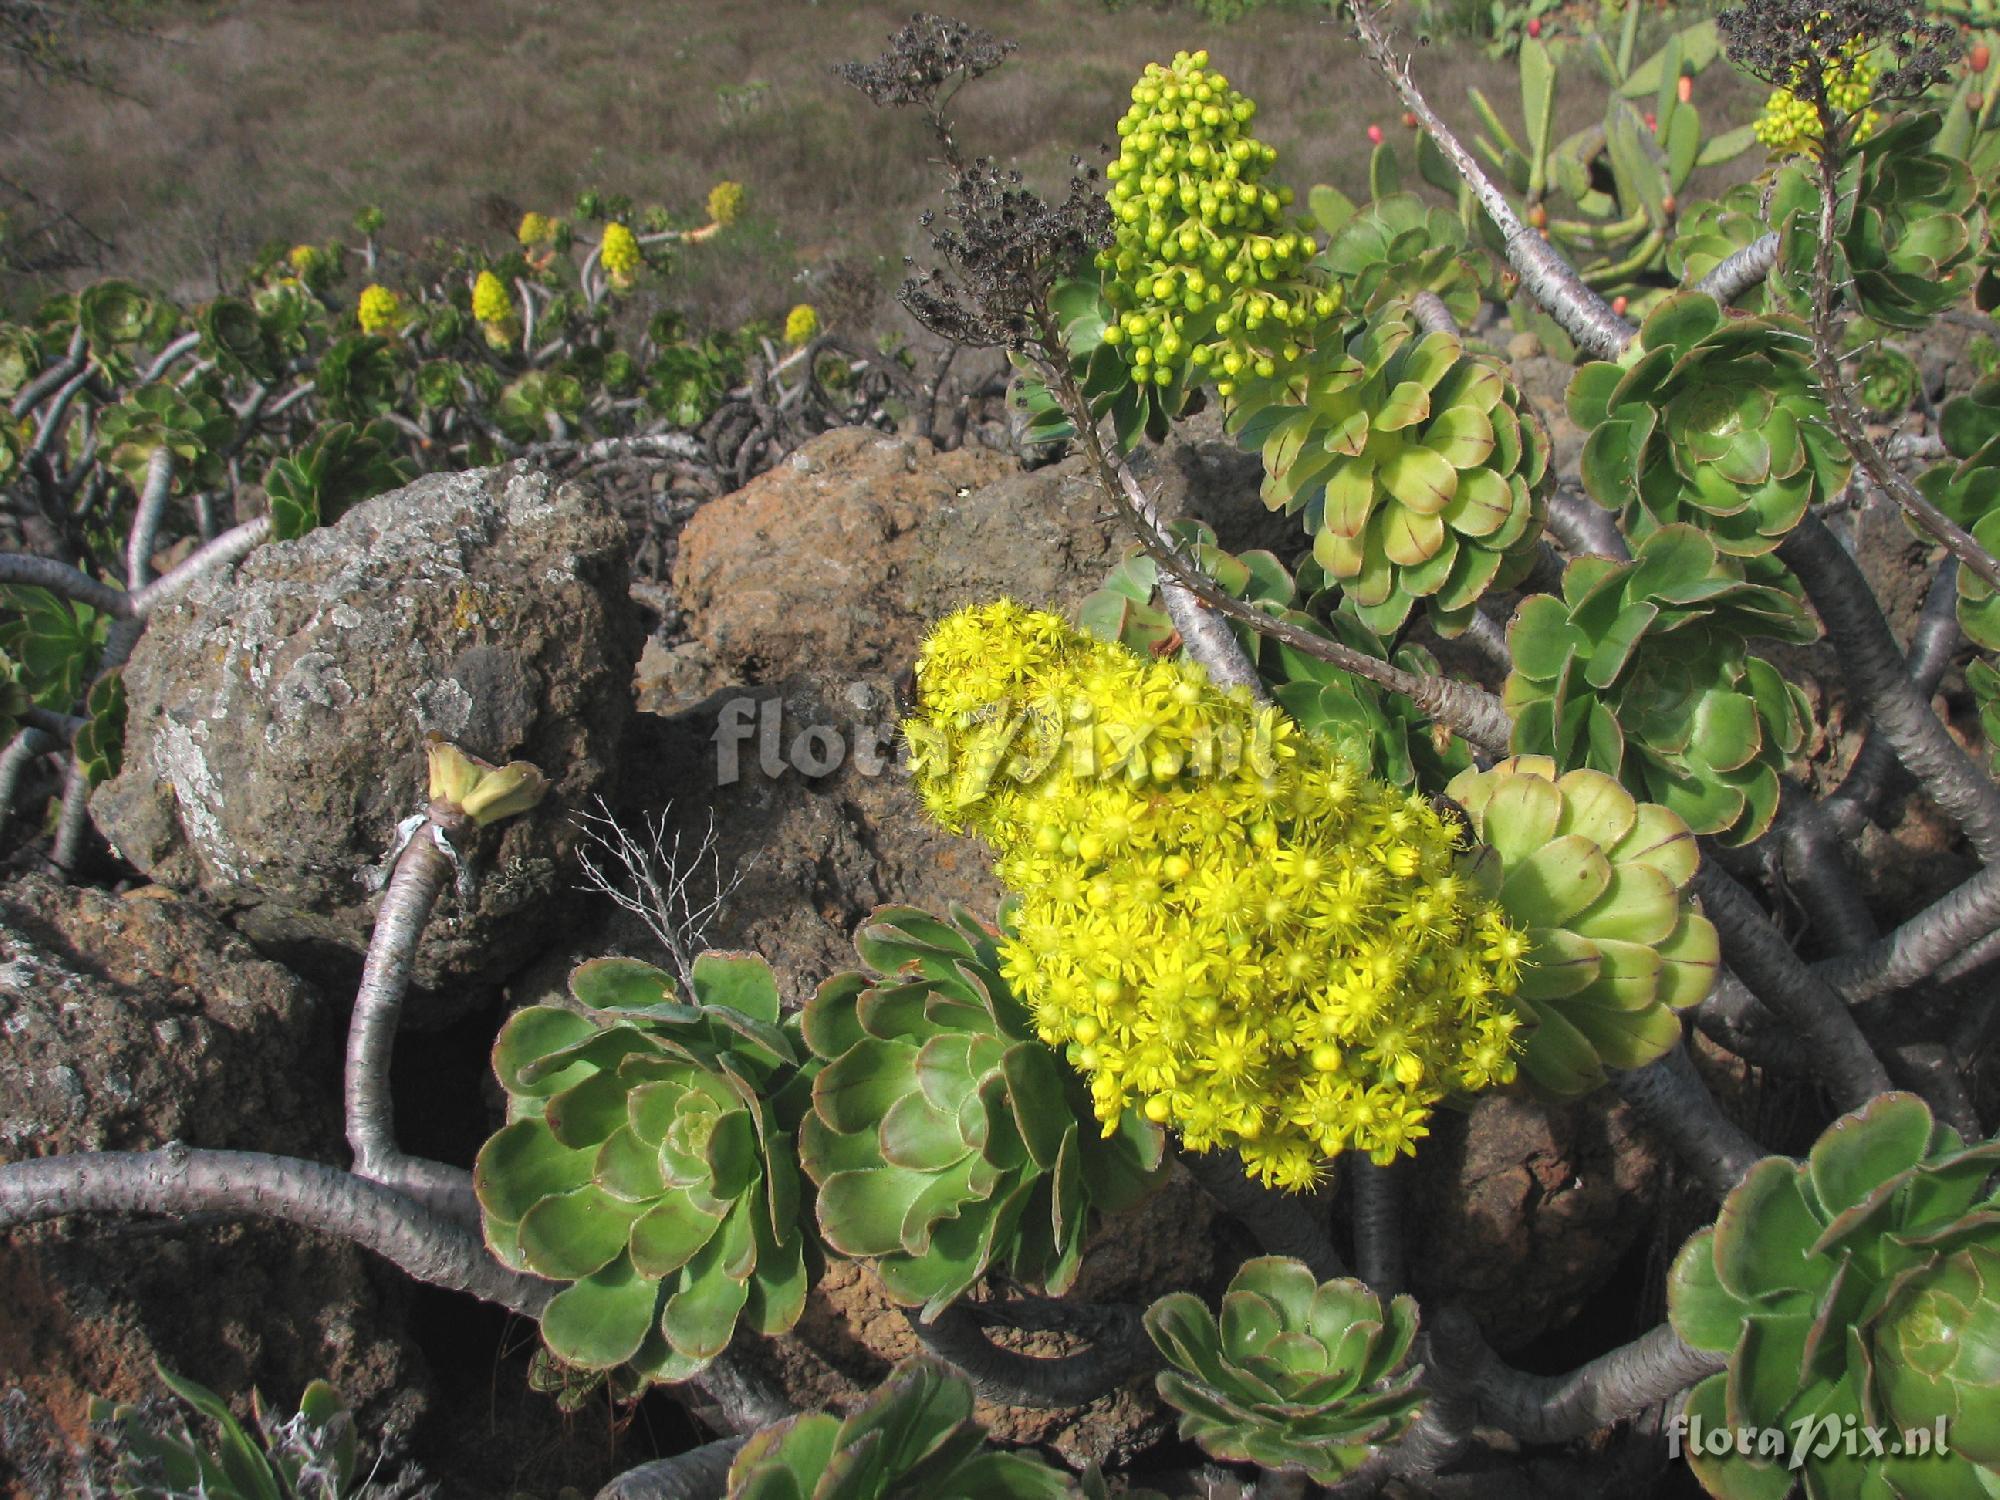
276	119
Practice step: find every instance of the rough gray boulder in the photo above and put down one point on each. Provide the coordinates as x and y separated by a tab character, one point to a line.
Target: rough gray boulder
277	713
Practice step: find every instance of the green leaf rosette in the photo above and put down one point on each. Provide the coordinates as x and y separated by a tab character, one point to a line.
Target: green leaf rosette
1599	881
1295	1375
1968	491
1639	669
1908	225
1418	468
946	1139
913	1439
648	1162
1711	420
1858	1289
331	473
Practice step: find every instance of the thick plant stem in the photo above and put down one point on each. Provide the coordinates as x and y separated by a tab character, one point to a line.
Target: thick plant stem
958	1337
146	522
74	818
738	1396
428	1245
1735	274
1815	865
1205	635
1918	948
1546	276
61	578
21	753
699	1474
1875	670
1932	641
421	872
1283	1223
231	546
1755	949
1378	1224
1584	527
1561	1408
1669	1098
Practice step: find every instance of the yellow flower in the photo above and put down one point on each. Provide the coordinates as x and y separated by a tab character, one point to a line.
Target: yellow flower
490	302
1222	923
536	229
801	323
725	202
379	310
620	254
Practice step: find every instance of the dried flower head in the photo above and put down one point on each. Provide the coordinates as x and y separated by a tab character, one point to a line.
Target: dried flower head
1005	247
923	57
1800	44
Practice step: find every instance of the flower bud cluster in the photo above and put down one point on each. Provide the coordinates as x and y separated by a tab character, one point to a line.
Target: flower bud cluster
495	310
1207	269
1220	920
801	325
379	310
620	254
725	202
536	229
1790	123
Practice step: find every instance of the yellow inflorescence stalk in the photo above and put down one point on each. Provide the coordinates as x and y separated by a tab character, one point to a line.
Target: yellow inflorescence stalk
1221	921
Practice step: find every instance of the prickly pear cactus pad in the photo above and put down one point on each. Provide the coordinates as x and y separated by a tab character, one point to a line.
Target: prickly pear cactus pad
1295	1375
1858	1289
945	1138
1221	921
649	1162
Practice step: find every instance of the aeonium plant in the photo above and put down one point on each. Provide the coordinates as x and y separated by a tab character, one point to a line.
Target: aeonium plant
649	1163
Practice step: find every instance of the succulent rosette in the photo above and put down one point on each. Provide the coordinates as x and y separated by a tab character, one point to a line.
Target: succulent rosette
1295	1375
1715	421
1395	247
1908	227
1640	670
1599	880
1418	468
913	1437
1967	489
648	1162
945	1138
1859	1289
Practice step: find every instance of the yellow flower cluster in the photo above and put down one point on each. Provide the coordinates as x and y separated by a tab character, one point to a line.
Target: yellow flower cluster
725	202
308	262
1790	124
490	302
1209	270
1223	922
379	310
620	254
536	229
801	323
